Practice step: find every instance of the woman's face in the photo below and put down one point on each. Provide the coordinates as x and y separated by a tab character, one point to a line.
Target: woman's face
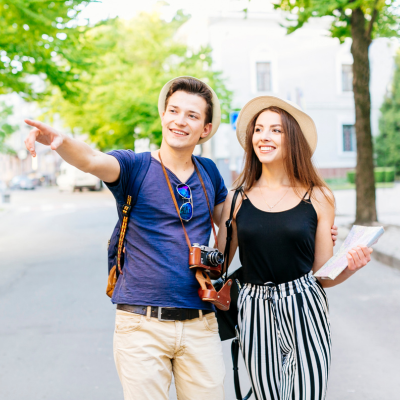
268	138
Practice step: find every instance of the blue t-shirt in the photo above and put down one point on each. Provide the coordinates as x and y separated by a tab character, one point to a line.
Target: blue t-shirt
156	268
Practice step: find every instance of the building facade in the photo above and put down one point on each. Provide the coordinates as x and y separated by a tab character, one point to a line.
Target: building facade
307	67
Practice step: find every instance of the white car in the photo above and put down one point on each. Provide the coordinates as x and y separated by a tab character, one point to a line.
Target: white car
71	179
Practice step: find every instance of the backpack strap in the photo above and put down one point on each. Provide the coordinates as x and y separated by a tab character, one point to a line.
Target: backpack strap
140	167
212	172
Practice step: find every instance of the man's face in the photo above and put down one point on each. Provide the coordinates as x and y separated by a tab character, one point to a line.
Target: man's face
183	120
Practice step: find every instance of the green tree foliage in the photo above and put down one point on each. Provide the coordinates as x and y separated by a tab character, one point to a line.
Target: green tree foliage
361	20
381	16
118	102
387	145
39	37
5	128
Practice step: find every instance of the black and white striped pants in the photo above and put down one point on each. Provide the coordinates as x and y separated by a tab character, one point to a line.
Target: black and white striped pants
285	339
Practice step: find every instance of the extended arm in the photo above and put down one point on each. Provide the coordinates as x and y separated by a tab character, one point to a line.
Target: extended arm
74	152
357	257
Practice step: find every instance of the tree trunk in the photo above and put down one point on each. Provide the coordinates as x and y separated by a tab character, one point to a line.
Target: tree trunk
365	180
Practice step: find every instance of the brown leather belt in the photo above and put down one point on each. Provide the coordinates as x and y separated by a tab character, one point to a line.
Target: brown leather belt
164	313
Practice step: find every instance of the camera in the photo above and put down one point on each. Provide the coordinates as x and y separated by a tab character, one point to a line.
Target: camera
207	258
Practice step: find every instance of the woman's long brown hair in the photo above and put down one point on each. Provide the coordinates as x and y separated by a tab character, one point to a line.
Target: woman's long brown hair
297	163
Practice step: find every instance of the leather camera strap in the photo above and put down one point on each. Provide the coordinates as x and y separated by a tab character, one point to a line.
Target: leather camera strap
208	203
176	204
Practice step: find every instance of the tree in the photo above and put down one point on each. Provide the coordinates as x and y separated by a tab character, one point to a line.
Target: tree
118	102
361	20
39	37
388	142
5	128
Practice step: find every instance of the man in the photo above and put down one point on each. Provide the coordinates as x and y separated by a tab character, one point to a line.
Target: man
156	275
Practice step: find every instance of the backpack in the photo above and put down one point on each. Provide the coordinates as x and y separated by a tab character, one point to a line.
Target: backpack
116	243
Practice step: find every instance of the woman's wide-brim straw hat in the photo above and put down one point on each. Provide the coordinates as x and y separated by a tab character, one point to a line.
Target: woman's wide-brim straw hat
216	115
254	106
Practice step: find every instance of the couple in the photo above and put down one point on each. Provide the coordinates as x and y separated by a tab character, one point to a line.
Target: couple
282	226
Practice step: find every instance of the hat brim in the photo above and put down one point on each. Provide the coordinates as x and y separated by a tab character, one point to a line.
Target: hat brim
257	104
216	119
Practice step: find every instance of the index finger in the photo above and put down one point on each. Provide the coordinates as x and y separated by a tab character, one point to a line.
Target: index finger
36	124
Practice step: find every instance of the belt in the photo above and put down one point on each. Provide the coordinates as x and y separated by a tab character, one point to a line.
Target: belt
164	313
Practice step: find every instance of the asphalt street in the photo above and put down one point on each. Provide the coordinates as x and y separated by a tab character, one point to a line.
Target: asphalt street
57	323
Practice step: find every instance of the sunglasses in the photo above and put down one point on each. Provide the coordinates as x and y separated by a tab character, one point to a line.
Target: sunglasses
186	210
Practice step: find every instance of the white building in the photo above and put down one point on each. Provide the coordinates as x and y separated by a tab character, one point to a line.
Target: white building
307	67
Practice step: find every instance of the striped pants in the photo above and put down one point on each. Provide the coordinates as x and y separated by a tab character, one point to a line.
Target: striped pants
285	339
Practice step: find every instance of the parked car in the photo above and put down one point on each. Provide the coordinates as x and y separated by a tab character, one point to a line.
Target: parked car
22	182
71	179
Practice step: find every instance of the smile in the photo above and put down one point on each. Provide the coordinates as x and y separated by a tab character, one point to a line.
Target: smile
267	149
180	133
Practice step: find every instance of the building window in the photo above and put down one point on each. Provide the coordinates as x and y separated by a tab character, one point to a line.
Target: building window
349	138
347	77
263	76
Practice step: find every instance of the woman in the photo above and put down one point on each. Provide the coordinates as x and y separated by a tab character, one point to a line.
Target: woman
282	227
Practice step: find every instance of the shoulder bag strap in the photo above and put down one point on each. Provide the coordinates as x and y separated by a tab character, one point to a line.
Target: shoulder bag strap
228	225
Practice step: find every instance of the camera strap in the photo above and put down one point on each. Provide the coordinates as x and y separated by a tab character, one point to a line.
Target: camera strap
176	204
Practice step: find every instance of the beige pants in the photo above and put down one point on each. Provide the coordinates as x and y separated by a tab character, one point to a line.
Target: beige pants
147	351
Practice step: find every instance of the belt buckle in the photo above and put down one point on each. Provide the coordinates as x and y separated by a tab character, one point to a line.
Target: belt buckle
160	312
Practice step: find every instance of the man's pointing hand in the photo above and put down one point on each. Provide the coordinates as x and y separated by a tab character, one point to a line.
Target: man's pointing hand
43	134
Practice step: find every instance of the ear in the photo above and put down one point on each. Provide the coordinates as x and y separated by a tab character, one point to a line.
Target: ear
207	131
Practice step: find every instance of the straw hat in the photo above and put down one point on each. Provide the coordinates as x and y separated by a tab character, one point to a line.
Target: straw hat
216	118
306	123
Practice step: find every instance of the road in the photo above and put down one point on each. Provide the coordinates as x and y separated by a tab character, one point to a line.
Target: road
57	323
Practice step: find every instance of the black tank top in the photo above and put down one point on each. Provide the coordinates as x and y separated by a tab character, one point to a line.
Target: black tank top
276	246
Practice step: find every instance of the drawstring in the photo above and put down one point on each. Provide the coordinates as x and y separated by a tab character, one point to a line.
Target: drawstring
271	287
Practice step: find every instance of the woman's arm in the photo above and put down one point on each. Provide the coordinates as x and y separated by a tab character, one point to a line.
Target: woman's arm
357	257
222	228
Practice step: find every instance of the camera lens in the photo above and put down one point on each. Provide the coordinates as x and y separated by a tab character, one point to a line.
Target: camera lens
215	258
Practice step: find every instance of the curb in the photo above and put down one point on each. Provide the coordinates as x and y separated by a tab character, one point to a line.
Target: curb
386	259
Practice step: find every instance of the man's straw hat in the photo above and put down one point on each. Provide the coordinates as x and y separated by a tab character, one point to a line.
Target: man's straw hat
254	106
216	114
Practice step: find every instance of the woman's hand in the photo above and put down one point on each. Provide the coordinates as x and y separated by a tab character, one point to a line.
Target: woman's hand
334	233
358	257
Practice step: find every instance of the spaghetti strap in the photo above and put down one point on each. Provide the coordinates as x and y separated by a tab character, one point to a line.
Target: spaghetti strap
309	191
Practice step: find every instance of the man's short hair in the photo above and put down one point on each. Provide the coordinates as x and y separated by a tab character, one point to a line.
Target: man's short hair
193	86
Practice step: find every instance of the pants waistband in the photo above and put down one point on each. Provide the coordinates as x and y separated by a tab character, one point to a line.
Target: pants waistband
270	290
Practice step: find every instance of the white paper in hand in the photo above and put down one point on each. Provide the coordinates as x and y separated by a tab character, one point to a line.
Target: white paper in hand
359	235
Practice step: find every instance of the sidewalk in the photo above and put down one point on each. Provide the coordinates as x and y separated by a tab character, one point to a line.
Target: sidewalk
387	250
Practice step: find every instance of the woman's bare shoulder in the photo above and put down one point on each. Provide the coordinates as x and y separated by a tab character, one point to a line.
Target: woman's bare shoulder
323	195
324	200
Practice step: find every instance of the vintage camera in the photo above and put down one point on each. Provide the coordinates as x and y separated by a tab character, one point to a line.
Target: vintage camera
206	258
